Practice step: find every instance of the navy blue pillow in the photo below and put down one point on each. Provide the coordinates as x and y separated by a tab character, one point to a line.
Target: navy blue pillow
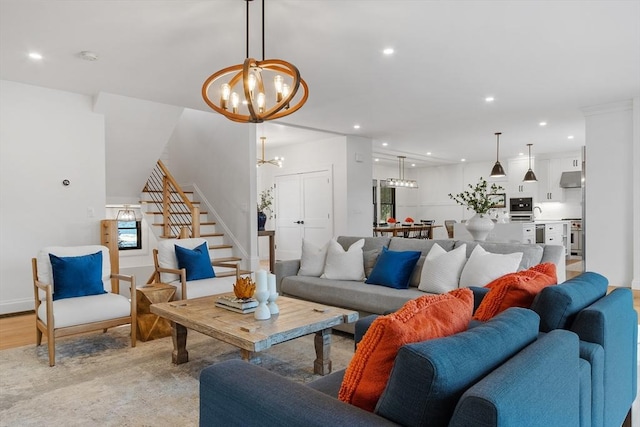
394	268
196	261
77	276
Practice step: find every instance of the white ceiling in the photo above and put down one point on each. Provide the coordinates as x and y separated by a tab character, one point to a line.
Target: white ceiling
541	60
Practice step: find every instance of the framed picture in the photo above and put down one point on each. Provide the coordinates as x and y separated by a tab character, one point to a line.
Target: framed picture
499	200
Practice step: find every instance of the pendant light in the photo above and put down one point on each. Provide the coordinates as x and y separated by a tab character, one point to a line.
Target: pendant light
530	176
240	92
277	161
400	182
497	170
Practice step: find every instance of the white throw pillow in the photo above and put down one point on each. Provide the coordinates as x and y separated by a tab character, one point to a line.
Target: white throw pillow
482	267
312	259
341	265
441	269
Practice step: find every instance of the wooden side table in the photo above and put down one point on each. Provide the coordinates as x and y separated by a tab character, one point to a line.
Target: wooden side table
152	326
272	247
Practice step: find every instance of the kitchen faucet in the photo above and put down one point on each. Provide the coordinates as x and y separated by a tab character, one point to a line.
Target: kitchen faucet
534	210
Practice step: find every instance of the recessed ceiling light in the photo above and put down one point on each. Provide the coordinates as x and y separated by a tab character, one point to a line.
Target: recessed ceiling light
388	51
376	160
520	154
542	123
489	99
35	56
428	153
570	137
413	165
356	126
384	144
463	160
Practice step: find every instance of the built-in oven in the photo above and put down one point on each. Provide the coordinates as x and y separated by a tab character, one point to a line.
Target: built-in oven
521	209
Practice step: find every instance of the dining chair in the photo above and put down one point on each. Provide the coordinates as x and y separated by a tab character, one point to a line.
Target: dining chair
448	224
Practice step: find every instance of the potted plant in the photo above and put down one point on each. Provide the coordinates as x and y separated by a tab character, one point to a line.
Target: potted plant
479	200
265	204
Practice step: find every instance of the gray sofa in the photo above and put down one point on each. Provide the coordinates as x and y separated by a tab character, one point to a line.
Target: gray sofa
368	299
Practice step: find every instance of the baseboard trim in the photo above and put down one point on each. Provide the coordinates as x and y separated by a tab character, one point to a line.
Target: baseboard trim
17	306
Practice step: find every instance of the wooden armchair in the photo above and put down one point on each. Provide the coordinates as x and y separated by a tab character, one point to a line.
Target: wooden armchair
67	306
167	270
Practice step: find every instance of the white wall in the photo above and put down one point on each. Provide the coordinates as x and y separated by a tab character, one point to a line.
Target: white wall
46	136
218	156
611	193
136	133
359	201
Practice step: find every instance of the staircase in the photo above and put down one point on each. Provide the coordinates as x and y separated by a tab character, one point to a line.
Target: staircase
172	213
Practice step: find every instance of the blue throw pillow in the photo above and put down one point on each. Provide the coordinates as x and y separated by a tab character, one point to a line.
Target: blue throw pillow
196	261
77	276
394	268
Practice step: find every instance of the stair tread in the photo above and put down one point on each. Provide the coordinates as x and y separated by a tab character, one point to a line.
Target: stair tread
174	202
226	259
185	223
220	247
160	191
174	213
232	273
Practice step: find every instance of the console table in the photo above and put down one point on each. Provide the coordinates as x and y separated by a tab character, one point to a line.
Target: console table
272	247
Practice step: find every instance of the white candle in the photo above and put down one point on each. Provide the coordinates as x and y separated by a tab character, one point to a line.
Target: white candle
261	280
271	282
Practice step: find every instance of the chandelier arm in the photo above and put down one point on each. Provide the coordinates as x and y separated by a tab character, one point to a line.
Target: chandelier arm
263	30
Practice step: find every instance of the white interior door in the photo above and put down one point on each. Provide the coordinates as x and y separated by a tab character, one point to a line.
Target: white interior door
304	210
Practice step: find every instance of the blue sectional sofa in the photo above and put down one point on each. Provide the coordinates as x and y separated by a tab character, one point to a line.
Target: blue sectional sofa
569	360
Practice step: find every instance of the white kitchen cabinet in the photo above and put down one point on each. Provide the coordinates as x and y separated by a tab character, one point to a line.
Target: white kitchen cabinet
557	233
571	163
548	172
528	233
515	173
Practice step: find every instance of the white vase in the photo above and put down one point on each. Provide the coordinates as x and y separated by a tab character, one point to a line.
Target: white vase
479	226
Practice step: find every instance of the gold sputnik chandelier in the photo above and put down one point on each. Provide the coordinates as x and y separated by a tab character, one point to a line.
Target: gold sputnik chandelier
240	92
277	161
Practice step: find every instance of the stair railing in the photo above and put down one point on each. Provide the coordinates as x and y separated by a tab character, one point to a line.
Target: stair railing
180	217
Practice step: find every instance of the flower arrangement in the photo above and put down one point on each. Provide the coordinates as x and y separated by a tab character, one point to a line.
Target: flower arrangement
479	198
266	201
409	220
391	220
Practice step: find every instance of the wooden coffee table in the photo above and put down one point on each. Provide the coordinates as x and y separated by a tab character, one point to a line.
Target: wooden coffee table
297	318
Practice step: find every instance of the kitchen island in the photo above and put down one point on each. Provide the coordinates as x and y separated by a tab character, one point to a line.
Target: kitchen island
550	232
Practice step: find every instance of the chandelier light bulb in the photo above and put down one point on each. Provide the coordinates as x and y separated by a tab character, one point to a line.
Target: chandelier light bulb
225	92
235	102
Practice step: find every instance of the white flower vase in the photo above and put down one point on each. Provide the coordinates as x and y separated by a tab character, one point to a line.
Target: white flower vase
479	226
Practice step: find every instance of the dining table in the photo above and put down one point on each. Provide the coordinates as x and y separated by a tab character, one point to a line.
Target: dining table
406	230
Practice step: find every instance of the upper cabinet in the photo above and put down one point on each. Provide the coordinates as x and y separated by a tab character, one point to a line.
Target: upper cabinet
515	173
549	171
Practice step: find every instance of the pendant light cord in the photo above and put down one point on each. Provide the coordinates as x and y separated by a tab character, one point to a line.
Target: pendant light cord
247	28
247	25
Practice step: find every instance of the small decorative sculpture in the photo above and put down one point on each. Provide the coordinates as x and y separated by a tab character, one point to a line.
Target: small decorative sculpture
244	287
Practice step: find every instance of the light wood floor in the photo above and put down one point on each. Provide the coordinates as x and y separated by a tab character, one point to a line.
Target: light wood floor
20	330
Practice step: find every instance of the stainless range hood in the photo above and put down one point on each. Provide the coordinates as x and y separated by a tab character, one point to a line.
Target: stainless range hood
571	179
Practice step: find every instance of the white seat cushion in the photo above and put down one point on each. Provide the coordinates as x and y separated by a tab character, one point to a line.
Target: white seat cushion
205	287
167	255
82	310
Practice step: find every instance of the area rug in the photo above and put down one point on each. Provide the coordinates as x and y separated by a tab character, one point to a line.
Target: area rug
99	379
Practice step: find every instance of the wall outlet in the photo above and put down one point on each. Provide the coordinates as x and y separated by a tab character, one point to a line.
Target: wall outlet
91	213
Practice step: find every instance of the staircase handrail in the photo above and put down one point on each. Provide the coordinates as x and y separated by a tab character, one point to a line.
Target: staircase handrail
170	189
